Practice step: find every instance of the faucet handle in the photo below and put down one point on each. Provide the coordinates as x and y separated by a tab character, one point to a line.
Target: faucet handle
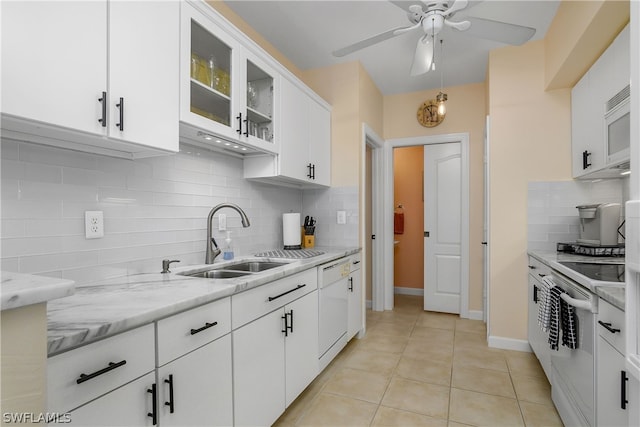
166	263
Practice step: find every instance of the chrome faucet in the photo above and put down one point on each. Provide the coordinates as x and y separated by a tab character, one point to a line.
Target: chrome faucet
211	242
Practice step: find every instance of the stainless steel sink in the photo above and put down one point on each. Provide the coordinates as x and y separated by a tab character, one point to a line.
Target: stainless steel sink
218	274
255	266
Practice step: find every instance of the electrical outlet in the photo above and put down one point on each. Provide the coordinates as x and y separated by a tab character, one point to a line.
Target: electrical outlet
93	224
342	217
222	222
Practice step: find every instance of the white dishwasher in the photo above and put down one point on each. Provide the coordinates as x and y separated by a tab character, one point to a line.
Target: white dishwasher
333	286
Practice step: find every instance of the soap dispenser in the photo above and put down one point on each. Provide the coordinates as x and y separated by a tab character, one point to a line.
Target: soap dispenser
227	251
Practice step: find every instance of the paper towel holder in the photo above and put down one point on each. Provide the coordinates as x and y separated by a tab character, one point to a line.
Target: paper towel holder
291	231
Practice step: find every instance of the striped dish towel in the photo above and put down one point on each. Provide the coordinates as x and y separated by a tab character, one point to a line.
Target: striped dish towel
554	317
568	317
544	309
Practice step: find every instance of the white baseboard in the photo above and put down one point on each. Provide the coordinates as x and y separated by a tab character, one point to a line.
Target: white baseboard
509	344
408	291
476	315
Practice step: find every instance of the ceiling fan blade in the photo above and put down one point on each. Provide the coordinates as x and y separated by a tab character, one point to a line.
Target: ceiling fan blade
407	29
423	56
367	42
499	31
456	6
460	26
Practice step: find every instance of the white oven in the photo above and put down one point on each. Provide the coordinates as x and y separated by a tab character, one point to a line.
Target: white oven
333	287
573	370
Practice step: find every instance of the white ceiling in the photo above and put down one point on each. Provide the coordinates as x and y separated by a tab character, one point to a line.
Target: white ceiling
307	31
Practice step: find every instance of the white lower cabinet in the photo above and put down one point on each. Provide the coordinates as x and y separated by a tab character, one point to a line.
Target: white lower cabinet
130	405
105	383
194	366
355	323
612	379
196	389
274	358
612	386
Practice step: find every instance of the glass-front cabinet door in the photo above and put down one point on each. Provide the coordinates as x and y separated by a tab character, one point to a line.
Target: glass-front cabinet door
226	92
259	101
208	62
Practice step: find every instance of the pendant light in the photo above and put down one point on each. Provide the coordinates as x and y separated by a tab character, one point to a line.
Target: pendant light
441	97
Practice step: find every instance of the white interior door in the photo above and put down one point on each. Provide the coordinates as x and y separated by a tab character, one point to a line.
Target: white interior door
442	222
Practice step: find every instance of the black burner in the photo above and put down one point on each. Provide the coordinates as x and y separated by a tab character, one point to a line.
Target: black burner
595	271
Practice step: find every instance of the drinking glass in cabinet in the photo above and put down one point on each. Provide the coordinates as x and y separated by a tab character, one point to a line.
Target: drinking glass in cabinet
252	95
195	65
214	81
224	81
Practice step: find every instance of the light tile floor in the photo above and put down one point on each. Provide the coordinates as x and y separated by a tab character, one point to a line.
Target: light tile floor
417	368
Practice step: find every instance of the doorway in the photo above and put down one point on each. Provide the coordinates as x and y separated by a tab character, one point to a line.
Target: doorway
371	229
462	140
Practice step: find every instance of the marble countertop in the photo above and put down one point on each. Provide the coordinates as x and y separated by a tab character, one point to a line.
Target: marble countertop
19	290
612	292
105	308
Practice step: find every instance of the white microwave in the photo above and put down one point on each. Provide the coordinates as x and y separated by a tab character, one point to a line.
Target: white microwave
618	127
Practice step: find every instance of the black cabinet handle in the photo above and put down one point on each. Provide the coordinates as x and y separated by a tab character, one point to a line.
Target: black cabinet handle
351	284
532	267
608	327
154	405
585	159
246	126
170	402
312	171
286	327
288	323
103	101
623	390
541	274
206	326
356	262
287	292
291	323
239	118
535	294
111	367
121	107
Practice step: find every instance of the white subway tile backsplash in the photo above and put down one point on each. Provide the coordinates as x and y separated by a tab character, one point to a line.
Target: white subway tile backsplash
12	228
552	213
154	208
45	155
31	209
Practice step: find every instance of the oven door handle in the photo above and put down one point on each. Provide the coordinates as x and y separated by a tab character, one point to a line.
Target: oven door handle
577	303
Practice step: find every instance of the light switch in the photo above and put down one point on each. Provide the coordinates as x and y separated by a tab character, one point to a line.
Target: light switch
342	217
222	222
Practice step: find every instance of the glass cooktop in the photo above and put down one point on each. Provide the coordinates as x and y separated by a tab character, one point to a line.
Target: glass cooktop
597	271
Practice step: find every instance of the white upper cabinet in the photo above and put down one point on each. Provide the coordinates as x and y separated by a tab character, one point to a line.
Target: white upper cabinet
305	143
95	76
608	76
228	96
54	62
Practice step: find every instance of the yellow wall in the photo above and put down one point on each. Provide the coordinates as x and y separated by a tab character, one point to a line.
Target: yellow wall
466	112
530	140
233	17
579	33
408	265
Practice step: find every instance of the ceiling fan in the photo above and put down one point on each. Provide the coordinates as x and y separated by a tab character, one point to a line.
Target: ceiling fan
432	17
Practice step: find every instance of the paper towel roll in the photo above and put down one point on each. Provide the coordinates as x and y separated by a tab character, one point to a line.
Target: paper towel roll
291	231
